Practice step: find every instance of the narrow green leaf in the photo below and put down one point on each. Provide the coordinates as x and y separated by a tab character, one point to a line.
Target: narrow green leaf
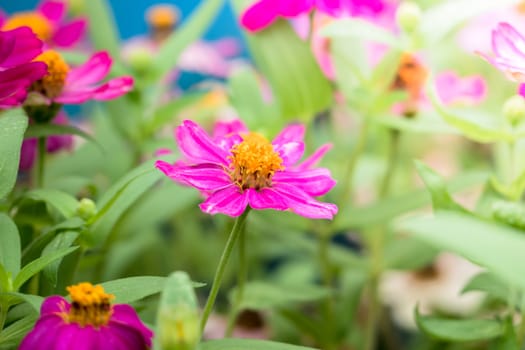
476	240
350	28
65	203
459	330
9	245
191	30
13	334
13	124
37	265
61	241
34	300
252	344
489	283
102	29
40	130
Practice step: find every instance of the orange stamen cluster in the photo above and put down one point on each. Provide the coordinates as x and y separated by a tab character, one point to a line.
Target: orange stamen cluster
162	16
38	24
520	7
52	84
253	162
411	76
90	305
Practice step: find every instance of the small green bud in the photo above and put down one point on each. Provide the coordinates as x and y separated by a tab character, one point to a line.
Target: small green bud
514	109
86	208
140	59
509	213
178	321
408	16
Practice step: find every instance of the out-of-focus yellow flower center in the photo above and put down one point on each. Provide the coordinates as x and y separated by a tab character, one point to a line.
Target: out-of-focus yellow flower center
410	77
253	162
162	16
53	82
90	305
520	7
38	24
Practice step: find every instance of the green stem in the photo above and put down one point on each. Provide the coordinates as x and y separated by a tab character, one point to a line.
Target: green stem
3	314
41	161
348	177
241	281
219	273
393	153
328	305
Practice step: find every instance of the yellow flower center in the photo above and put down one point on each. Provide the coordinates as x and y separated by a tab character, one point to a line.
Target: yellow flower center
38	24
90	305
520	7
253	162
53	82
162	16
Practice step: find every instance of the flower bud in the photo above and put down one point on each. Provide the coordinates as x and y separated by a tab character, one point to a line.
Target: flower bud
408	16
178	325
509	213
514	109
86	208
140	59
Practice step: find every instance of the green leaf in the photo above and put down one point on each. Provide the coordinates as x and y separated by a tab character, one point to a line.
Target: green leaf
65	203
350	28
298	84
476	240
127	290
41	130
13	124
13	334
441	198
260	295
9	245
37	265
426	123
252	344
168	113
407	253
489	283
459	330
34	300
103	31
61	241
190	31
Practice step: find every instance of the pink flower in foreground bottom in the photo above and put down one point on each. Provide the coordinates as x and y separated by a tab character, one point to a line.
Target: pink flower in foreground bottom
90	322
242	168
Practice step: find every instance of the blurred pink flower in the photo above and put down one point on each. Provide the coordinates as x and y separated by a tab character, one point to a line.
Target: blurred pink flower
48	23
264	12
65	85
508	47
237	168
54	144
17	49
467	90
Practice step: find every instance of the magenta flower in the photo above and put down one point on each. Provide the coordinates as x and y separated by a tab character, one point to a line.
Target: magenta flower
90	322
264	12
55	143
65	85
48	23
237	168
467	90
17	48
508	47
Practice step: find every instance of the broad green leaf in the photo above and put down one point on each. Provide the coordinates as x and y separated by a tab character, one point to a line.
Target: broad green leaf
384	73
489	283
407	253
510	213
6	282
476	240
351	28
421	124
37	265
127	290
41	130
13	334
252	344
13	124
61	241
459	330
103	30
260	295
65	203
34	300
441	198
190	31
9	245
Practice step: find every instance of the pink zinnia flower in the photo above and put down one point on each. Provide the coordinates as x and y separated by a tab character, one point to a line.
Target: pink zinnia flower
237	168
17	48
264	12
508	47
90	322
452	88
48	23
65	85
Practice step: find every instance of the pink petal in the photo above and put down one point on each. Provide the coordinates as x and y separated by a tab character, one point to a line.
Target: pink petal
266	198
315	182
315	158
69	34
114	88
291	133
302	204
290	152
293	8
54	304
125	315
505	46
93	71
54	11
18	46
227	133
228	201
27	154
204	177
521	90
74	97
259	16
43	335
197	146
